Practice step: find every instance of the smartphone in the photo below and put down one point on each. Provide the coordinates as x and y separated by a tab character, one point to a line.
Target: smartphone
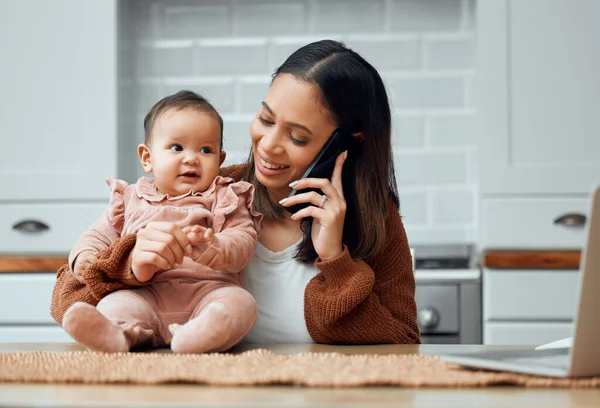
323	164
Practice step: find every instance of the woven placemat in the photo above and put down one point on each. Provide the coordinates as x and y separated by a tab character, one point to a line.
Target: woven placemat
260	367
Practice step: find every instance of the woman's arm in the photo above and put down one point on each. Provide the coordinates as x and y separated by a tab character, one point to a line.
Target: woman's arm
350	302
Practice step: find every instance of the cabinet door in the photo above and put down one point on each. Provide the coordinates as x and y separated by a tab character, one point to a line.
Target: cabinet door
538	96
525	333
34	334
58	105
529	295
25	298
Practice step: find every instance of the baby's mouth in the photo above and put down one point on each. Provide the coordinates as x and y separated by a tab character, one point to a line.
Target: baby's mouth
189	174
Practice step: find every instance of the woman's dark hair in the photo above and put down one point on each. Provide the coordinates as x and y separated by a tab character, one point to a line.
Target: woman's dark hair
353	92
181	100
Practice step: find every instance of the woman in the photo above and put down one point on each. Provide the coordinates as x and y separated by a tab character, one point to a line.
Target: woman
338	271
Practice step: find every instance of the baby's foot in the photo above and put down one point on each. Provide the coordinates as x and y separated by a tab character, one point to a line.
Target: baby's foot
91	328
173	327
208	332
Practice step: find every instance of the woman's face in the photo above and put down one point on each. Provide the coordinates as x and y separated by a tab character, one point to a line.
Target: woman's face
288	131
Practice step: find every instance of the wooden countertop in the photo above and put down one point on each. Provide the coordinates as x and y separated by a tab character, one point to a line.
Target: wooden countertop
494	259
516	259
31	264
46	395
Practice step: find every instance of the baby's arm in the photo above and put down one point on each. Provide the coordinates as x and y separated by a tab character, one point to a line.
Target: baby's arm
230	249
105	231
101	234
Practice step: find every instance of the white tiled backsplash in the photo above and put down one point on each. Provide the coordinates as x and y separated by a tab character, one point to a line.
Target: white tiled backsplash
227	50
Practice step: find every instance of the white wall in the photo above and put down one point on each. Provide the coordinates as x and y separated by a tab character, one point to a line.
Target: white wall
227	50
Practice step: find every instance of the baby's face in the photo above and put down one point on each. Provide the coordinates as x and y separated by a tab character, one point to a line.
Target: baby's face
184	151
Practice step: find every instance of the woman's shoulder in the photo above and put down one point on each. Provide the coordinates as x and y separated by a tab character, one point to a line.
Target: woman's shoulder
394	257
235	171
393	213
395	234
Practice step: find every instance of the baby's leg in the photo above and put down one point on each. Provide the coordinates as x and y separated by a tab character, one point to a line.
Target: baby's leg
121	321
221	320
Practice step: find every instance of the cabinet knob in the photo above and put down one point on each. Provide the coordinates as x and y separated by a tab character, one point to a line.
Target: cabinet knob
30	226
428	318
571	220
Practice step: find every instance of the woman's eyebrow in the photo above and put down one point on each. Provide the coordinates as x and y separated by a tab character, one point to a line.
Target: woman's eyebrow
293	124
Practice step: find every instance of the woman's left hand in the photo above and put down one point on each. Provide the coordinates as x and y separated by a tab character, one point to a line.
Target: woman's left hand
328	210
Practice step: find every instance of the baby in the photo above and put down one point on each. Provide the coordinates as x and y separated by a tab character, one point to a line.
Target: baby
199	305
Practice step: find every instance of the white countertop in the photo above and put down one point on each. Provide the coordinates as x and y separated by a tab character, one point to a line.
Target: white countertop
447	275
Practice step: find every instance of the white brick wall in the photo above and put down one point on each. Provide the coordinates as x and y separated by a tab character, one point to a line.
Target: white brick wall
227	50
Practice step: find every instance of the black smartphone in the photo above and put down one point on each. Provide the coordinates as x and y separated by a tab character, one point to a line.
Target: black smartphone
323	164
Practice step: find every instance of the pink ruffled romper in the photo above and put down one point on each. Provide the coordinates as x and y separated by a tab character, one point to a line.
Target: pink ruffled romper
208	279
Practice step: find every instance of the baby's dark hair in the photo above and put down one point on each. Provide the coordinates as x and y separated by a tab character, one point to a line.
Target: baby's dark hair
181	100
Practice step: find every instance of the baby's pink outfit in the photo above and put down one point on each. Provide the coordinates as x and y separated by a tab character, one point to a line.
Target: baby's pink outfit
207	282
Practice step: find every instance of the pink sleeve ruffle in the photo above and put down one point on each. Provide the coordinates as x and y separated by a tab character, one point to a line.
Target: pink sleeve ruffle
229	198
116	208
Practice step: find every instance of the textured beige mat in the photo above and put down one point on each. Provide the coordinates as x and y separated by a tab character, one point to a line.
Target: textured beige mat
259	367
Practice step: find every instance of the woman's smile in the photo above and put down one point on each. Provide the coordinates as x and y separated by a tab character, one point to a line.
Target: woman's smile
269	168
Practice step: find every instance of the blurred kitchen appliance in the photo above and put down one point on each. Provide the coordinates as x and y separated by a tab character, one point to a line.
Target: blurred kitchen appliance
448	294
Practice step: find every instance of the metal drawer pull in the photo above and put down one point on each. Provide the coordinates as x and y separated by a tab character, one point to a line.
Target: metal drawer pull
428	318
571	220
30	226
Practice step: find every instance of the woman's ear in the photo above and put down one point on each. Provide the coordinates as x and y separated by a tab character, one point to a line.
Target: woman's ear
222	157
145	157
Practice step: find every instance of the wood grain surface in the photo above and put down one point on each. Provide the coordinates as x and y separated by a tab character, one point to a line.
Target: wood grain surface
532	259
27	264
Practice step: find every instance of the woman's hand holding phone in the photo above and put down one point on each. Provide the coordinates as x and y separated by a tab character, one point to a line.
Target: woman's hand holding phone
328	213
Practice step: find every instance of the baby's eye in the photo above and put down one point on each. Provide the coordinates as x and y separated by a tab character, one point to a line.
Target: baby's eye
206	150
176	148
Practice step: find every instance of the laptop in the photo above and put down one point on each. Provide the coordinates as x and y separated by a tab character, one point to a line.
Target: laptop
582	358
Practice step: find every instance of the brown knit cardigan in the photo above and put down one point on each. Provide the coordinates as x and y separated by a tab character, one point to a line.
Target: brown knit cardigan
348	302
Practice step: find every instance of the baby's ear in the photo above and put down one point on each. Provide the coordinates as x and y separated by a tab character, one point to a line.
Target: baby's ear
145	157
222	157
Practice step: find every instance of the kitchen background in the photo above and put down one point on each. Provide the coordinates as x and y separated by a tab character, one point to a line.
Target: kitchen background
495	134
227	50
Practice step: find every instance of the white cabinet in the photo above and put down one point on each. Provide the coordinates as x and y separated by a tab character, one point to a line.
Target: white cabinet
525	333
58	141
528	295
531	222
34	334
62	224
528	307
538	96
25	309
58	110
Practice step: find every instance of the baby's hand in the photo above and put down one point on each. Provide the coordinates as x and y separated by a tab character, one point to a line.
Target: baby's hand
197	234
84	259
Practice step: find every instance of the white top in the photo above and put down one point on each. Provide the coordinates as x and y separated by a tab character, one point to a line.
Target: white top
277	281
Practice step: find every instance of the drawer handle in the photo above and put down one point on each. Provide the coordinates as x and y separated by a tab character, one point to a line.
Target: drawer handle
30	226
428	318
571	220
